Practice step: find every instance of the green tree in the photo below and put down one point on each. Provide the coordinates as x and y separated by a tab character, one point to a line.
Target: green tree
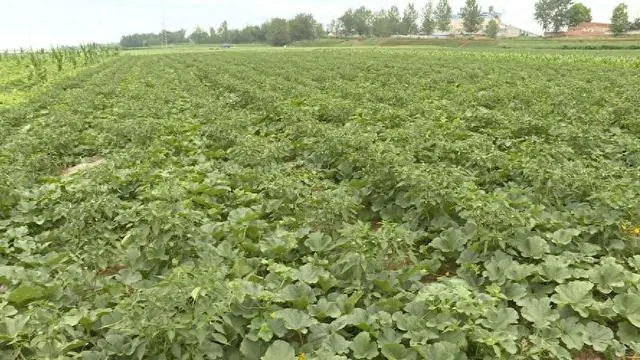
443	15
635	25
471	17
493	28
302	27
428	19
277	32
380	24
408	24
579	13
363	18
213	36
319	31
347	22
620	20
199	36
393	17
552	14
223	32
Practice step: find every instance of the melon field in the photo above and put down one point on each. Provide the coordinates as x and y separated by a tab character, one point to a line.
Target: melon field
285	204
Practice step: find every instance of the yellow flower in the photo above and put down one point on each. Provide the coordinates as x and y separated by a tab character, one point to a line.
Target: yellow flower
636	230
302	356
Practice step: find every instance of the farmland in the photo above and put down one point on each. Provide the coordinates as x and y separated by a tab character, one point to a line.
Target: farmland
362	203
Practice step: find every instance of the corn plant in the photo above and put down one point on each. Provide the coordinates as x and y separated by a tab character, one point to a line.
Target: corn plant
72	55
37	66
58	57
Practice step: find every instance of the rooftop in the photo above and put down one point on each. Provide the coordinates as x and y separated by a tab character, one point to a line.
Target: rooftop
484	14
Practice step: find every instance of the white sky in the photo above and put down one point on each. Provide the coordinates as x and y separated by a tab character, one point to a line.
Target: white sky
41	23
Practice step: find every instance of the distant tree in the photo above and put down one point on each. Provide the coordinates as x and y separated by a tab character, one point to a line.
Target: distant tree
223	31
278	32
363	18
552	14
472	17
493	28
347	22
214	38
319	31
333	27
409	20
620	20
380	24
256	32
635	25
248	34
141	40
579	13
443	15
177	37
199	36
302	27
395	22
428	19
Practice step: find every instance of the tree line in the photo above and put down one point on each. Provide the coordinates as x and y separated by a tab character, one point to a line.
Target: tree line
277	32
556	15
354	22
552	15
431	18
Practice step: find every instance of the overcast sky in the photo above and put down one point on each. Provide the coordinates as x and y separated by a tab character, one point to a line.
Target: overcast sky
41	23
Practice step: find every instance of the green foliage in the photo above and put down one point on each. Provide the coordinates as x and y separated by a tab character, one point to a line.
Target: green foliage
303	27
408	24
620	19
428	18
579	13
199	36
553	15
493	28
277	32
471	16
240	213
443	15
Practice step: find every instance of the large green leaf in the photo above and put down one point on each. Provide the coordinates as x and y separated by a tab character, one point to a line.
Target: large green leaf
450	240
598	336
308	274
337	343
318	241
539	311
608	275
629	335
363	347
397	352
325	309
577	294
280	350
564	236
252	349
574	333
294	319
441	351
628	305
14	325
533	247
500	318
25	294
